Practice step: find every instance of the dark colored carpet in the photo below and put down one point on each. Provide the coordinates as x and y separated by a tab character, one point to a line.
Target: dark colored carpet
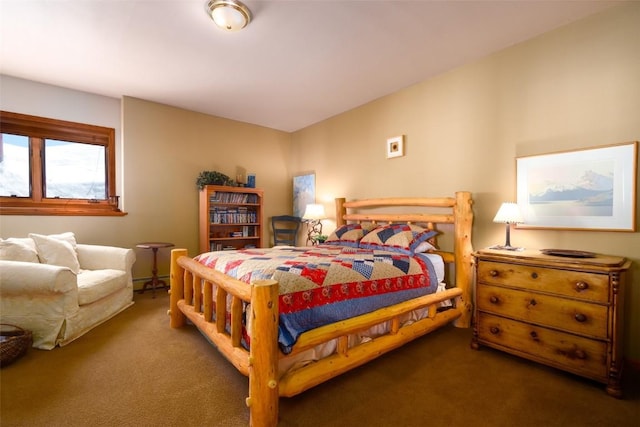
136	371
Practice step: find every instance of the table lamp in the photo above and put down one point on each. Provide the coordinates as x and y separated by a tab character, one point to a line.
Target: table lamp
509	213
313	214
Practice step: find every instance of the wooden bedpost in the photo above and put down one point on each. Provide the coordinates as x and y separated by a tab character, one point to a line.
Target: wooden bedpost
463	250
178	319
340	211
264	354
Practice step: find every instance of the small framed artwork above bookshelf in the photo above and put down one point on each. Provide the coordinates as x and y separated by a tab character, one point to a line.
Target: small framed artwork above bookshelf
230	218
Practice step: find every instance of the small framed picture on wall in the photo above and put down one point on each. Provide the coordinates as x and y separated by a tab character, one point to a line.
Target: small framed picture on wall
395	147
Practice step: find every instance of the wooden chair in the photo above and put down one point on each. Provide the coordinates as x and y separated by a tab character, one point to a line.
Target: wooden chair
285	229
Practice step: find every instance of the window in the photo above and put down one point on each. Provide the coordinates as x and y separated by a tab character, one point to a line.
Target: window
54	167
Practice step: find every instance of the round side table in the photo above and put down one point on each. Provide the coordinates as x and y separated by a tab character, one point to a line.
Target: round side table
154	246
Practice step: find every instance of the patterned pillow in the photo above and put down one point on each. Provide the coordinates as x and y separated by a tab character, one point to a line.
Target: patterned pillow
401	238
347	235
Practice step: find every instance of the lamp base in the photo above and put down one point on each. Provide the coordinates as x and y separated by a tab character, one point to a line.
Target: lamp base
314	230
506	248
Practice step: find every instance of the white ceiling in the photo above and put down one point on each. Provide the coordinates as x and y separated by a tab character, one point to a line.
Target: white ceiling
297	63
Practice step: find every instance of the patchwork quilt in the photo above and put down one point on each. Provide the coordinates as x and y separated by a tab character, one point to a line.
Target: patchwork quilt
324	284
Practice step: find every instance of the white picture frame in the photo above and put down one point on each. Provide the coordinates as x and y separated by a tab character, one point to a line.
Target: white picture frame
395	147
590	189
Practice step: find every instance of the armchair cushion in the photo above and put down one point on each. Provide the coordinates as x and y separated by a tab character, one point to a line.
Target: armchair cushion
96	284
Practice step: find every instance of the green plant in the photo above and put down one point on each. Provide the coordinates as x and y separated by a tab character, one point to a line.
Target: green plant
213	178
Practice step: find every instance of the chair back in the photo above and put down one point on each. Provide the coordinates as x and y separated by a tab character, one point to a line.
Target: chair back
285	229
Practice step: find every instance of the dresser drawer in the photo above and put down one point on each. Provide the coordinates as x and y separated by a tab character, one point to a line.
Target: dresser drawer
580	355
574	284
569	315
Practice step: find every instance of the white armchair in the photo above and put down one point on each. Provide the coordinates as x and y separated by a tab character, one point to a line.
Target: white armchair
59	303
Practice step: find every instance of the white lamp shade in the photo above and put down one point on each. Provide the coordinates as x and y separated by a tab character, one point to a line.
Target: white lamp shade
314	211
230	15
509	213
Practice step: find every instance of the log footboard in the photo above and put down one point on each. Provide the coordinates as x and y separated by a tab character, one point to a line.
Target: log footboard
192	298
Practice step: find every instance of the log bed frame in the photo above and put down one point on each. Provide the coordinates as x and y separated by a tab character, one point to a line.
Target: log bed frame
191	288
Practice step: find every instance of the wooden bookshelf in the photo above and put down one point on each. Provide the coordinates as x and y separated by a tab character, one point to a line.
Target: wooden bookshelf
230	218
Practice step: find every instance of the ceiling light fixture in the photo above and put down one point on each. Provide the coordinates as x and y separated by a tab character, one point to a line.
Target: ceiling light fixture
230	15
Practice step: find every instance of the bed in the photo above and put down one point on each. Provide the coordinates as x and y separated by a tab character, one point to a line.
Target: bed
244	316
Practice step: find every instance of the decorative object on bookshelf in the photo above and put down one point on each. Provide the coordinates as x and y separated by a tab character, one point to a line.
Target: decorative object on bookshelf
230	218
241	176
213	178
251	180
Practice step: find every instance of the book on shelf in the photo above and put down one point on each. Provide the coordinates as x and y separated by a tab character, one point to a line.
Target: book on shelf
226	197
213	246
239	215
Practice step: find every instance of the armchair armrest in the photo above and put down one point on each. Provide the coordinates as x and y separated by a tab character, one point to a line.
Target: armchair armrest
96	257
23	278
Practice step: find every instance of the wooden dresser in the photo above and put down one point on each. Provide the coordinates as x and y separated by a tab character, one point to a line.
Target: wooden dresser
560	311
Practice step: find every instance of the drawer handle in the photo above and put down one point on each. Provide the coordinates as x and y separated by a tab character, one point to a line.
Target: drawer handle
493	273
534	275
580	354
494	330
580	317
494	299
581	286
534	335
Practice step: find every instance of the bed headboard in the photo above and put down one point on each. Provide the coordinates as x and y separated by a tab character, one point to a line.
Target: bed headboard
432	213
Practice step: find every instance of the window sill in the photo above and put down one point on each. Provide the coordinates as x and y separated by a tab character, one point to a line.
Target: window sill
59	211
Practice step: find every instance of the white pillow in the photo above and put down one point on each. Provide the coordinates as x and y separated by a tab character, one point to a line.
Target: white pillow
67	237
18	249
424	247
56	251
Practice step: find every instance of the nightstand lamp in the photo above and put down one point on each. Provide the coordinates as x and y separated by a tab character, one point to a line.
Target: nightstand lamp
313	215
509	213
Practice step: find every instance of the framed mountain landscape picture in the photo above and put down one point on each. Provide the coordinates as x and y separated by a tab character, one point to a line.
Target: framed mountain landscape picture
590	189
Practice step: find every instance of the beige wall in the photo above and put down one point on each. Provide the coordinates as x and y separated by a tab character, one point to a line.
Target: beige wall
573	88
166	148
576	87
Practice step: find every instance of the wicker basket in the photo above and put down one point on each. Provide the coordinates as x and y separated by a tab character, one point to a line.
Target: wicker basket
14	343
